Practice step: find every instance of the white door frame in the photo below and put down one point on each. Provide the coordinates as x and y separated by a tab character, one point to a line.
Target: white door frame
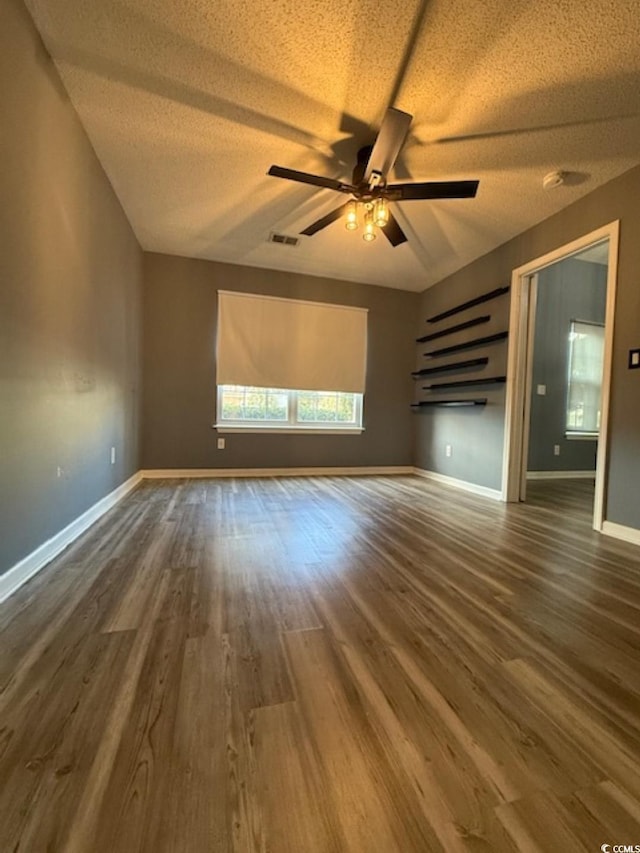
519	320
528	383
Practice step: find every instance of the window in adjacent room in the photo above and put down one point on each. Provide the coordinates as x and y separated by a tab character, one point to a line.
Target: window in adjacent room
586	356
289	364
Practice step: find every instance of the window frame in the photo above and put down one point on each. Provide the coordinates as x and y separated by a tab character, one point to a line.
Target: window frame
292	424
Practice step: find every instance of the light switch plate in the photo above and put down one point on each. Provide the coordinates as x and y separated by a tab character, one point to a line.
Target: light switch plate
634	359
541	390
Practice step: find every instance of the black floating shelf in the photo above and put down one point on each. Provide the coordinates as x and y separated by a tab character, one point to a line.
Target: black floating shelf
479	401
486	297
476	342
475	322
457	365
462	383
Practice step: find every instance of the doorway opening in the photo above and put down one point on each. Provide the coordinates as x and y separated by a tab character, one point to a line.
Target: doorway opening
559	366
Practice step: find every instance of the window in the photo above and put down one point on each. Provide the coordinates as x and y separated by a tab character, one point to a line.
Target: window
242	407
268	349
586	355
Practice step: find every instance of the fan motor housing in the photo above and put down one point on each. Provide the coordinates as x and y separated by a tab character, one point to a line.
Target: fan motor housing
363	158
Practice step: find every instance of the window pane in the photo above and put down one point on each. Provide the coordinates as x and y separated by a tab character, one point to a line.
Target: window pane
307	406
253	404
586	353
346	410
276	405
326	410
323	407
231	405
326	407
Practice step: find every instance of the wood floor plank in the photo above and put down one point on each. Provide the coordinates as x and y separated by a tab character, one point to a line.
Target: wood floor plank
251	623
490	768
348	664
195	816
540	824
613	808
369	809
82	829
244	810
139	787
618	759
454	798
297	808
576	822
50	748
130	609
62	641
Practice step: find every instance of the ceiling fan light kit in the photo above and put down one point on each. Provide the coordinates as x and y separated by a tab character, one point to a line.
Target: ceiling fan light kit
369	186
375	214
381	212
369	234
351	216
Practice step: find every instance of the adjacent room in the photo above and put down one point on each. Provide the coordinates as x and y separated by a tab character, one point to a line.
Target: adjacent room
320	456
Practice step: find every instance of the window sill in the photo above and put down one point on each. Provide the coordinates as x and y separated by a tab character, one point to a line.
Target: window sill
581	436
290	430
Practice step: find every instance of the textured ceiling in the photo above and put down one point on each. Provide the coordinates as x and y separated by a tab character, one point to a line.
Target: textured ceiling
189	103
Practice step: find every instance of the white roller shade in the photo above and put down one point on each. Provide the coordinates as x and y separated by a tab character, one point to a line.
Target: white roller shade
288	343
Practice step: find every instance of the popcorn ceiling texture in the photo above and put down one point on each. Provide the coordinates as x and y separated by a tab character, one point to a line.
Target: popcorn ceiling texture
188	103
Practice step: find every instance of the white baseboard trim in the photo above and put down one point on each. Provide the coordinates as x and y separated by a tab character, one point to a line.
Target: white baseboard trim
561	475
485	492
38	559
198	473
619	531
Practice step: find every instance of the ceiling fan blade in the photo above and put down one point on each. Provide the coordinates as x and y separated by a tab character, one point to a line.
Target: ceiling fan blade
389	141
306	178
393	232
432	190
319	224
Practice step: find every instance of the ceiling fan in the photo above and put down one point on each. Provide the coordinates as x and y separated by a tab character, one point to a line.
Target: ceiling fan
369	187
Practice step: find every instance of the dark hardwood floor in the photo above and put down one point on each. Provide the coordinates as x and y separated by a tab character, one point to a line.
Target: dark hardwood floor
329	665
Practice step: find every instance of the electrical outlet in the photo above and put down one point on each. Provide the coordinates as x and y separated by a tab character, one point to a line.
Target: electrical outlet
221	444
556	450
113	456
542	390
447	450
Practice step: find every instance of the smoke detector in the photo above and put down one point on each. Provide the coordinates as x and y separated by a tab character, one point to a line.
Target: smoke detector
553	180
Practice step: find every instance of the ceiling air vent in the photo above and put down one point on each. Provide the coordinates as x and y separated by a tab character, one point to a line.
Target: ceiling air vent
283	239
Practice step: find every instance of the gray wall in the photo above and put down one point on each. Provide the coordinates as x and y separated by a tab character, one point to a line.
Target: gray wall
70	274
482	460
180	303
569	290
475	434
